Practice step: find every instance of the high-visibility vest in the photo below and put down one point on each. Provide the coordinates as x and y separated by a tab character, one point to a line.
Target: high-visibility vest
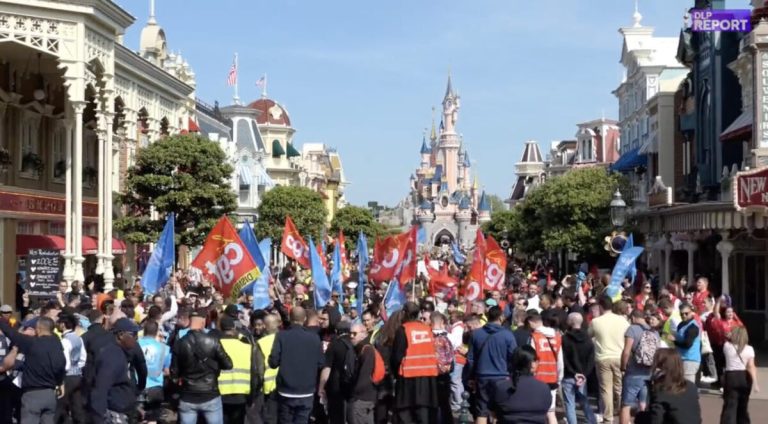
547	349
420	355
270	374
236	381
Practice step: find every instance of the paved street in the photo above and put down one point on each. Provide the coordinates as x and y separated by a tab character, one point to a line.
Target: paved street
711	406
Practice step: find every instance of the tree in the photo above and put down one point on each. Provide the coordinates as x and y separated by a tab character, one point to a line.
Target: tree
497	205
353	219
304	206
184	174
503	223
570	212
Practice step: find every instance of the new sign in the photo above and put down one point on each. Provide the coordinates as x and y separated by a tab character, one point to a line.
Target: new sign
750	190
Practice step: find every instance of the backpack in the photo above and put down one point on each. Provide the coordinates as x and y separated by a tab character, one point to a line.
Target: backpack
646	348
379	370
445	356
349	371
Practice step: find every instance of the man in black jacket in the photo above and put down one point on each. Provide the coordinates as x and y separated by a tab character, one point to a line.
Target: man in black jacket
197	359
578	363
112	396
299	354
44	368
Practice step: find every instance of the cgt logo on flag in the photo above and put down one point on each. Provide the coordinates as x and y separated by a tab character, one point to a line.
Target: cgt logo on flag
225	260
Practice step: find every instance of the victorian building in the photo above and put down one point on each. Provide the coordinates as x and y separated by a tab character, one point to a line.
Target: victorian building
443	199
530	171
75	105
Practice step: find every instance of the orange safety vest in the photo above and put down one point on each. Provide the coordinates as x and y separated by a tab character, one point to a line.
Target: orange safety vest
547	349
420	356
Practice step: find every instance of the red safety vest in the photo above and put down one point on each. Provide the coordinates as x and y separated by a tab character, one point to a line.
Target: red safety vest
547	350
420	356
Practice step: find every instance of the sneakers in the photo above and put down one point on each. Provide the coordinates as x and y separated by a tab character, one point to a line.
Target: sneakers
599	418
708	380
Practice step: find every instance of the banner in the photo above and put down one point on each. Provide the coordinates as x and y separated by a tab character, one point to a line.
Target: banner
387	255
495	265
225	260
477	270
362	262
408	265
624	264
160	265
293	245
322	290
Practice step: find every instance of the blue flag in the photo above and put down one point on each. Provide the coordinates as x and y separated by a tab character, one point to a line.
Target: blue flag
265	246
336	283
632	271
623	265
394	298
319	277
261	299
421	236
362	262
249	239
160	265
458	257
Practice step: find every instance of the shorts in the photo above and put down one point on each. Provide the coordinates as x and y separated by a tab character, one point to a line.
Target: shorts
634	390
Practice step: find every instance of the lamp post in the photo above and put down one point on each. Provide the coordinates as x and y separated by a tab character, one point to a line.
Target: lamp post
618	210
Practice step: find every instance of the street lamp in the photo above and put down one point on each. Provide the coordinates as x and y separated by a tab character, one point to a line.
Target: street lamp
618	210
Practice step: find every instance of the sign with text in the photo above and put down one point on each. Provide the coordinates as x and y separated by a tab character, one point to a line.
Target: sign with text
750	190
726	20
44	268
43	205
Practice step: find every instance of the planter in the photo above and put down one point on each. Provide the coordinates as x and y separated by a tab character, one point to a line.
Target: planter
90	174
59	169
32	163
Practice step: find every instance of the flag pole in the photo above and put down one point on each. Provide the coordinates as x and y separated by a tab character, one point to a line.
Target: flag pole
236	98
264	88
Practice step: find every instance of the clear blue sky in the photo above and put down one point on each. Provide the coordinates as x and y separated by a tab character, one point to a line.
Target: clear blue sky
362	76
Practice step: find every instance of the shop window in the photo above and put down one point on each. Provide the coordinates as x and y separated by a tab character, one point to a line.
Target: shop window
754	283
57	228
25	227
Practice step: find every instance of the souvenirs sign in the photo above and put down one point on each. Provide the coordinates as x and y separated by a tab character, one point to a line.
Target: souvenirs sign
750	190
44	268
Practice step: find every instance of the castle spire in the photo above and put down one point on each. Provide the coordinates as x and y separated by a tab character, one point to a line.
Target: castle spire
433	133
449	88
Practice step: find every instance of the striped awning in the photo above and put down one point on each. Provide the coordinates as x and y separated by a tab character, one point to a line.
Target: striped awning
244	175
263	179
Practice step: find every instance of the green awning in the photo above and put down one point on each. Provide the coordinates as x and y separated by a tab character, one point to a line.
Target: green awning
277	149
292	152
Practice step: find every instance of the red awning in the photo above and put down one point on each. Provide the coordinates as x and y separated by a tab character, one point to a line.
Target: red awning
24	242
193	127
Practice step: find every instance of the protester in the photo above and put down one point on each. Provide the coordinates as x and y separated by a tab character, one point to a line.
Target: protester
521	398
362	394
640	345
739	379
236	384
266	406
158	359
71	406
298	354
687	339
445	363
44	368
547	342
608	331
578	363
336	377
673	399
197	359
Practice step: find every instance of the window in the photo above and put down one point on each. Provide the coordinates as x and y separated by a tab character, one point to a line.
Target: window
59	155
29	133
245	196
25	227
754	283
57	228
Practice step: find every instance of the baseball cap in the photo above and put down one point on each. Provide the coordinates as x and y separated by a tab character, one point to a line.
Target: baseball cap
6	309
125	325
30	323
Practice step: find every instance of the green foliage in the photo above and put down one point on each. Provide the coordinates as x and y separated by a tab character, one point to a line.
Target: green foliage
569	212
497	205
503	222
304	206
184	174
353	219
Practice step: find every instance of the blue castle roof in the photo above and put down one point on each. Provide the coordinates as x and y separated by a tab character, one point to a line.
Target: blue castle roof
438	174
464	203
425	205
424	147
467	163
485	205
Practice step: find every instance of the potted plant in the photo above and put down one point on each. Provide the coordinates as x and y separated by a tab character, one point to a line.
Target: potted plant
5	159
32	162
59	169
90	174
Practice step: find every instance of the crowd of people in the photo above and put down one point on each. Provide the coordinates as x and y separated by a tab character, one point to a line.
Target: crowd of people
516	355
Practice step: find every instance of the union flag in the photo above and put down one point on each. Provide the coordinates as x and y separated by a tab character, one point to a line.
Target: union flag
293	245
387	256
225	260
408	267
495	265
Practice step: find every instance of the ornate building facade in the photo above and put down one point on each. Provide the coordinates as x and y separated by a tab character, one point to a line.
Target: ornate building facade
444	200
75	104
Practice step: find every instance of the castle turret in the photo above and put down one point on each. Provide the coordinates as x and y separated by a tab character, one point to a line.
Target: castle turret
426	152
449	140
425	214
484	209
463	218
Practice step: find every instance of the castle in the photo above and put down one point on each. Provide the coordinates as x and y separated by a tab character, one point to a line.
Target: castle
444	200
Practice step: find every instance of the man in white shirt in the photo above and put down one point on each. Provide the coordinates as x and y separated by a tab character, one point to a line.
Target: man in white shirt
71	404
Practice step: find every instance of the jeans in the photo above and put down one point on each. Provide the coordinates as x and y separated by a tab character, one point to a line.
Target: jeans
573	394
457	386
294	410
737	386
212	410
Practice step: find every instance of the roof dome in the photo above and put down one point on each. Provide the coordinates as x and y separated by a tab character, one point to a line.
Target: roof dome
271	112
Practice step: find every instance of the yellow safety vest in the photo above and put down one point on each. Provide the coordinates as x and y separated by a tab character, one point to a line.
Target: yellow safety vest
270	374
236	381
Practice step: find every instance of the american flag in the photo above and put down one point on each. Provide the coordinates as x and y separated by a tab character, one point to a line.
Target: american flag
261	82
232	76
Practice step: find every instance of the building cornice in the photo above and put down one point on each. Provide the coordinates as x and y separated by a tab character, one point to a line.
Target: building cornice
149	71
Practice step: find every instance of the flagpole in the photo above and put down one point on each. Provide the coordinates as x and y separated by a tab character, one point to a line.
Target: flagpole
264	88
236	98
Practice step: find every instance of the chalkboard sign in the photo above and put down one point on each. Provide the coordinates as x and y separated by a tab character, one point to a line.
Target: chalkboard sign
44	269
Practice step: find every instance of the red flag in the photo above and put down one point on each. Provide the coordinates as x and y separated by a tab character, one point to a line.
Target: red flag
495	265
439	280
225	260
293	245
477	271
343	249
387	255
408	268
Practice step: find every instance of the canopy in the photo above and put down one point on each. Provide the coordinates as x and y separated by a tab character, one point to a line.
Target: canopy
629	160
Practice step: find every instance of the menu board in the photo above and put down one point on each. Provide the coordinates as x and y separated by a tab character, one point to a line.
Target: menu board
44	269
